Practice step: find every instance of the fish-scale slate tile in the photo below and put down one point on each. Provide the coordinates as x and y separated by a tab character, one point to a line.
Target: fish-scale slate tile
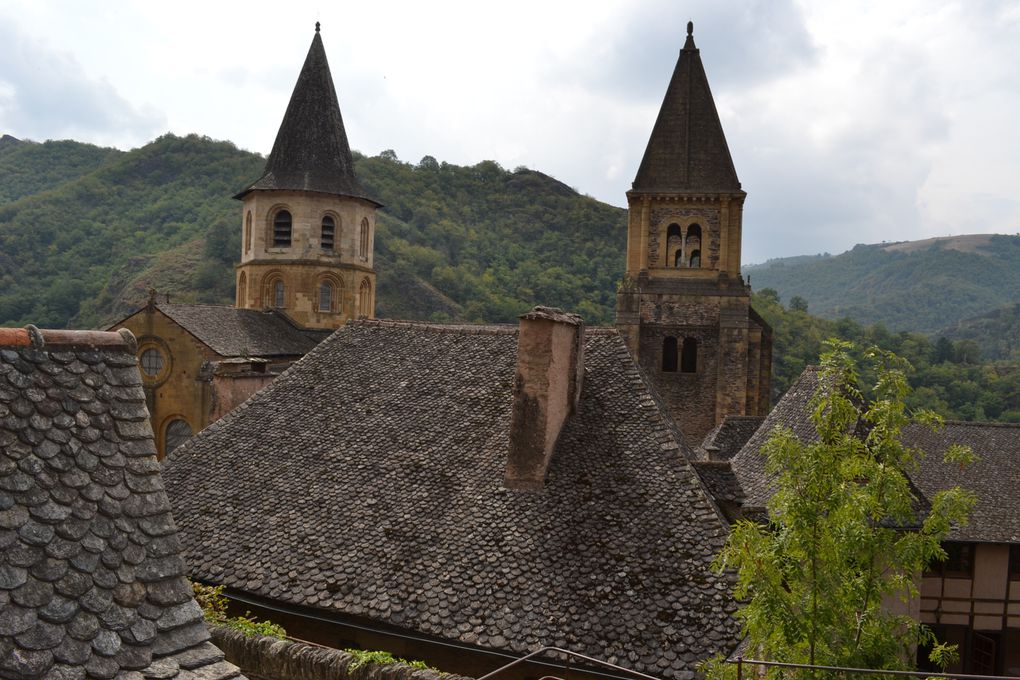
74	584
368	481
993	478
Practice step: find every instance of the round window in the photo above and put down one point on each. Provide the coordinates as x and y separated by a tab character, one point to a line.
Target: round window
152	362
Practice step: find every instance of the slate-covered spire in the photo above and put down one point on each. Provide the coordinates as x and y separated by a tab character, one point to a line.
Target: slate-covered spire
311	152
687	150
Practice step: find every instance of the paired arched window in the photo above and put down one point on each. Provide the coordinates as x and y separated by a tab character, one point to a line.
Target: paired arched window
247	232
327	236
365	299
242	289
676	355
674	246
363	241
669	355
282	224
327	296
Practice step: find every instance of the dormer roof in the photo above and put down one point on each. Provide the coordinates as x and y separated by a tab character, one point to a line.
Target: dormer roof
687	151
311	152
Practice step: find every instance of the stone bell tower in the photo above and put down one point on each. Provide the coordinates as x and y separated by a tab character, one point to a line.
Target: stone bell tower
308	224
683	307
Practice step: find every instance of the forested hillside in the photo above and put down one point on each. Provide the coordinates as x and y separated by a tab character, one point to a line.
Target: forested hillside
922	286
84	232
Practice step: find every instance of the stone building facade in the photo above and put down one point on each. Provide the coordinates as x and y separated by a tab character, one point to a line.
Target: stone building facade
683	307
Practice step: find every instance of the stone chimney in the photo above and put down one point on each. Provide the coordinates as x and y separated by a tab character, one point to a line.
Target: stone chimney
547	388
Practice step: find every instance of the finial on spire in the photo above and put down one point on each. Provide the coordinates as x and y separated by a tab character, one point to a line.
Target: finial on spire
690	28
316	26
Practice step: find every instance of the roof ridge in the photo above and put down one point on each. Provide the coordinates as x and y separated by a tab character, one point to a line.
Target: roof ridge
475	329
981	423
40	339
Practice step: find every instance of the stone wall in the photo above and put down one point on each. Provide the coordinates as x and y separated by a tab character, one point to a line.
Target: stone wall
265	658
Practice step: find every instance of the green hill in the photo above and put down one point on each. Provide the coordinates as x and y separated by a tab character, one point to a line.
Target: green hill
921	286
996	333
84	232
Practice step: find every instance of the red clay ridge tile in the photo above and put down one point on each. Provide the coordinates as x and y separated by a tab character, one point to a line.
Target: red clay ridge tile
30	335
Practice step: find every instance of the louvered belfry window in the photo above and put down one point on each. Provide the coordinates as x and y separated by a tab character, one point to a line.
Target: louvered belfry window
328	233
281	229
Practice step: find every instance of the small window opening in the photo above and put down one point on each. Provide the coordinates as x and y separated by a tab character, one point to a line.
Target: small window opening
328	231
669	355
695	258
674	246
689	356
278	294
326	297
281	229
177	432
247	232
242	287
365	299
363	241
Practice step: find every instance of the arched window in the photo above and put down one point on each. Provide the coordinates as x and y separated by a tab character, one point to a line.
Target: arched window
328	233
693	243
674	246
669	358
689	356
242	289
177	432
326	296
278	294
363	241
247	232
365	299
281	229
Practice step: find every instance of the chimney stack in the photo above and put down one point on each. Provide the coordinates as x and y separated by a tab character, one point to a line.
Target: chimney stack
547	388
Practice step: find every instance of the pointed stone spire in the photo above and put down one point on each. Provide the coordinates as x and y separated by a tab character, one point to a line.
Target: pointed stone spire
687	150
311	152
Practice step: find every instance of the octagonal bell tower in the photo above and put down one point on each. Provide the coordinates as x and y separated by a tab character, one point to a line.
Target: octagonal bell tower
308	225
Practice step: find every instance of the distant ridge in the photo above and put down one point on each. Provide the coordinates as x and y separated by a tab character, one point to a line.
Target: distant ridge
923	286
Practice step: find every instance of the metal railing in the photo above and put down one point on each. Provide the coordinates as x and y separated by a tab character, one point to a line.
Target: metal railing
739	662
533	656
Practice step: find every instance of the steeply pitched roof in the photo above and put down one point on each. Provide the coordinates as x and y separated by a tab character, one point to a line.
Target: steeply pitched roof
994	478
687	150
311	152
233	332
791	412
91	579
729	436
367	481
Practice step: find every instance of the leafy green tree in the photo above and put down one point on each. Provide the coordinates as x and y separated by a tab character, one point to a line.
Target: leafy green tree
798	304
845	533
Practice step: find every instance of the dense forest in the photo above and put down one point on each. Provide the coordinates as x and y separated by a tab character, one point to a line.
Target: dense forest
86	231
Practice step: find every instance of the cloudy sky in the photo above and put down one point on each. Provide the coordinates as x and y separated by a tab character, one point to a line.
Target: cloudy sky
848	122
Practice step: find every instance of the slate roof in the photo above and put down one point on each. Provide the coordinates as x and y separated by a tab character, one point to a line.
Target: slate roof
91	578
994	478
233	332
729	436
687	150
311	152
367	481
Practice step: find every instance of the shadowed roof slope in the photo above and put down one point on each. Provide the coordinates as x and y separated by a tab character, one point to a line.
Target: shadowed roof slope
729	436
232	332
687	150
311	152
367	481
994	478
91	576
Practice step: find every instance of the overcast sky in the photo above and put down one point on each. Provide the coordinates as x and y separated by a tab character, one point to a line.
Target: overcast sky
849	122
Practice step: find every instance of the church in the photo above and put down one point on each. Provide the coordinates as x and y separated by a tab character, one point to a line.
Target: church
465	494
